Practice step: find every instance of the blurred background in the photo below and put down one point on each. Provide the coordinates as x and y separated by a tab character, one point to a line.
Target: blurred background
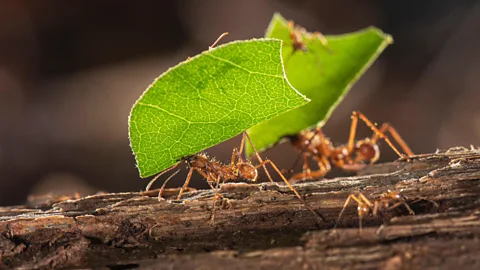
70	72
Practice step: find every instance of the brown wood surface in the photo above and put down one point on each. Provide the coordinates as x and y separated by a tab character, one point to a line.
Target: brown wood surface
264	226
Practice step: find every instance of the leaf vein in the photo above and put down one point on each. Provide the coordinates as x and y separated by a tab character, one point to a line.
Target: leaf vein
242	68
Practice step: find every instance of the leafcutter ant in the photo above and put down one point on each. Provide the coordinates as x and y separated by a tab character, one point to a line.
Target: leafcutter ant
353	156
296	36
387	201
216	173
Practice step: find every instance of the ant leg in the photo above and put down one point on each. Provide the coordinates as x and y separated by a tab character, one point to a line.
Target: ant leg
353	130
259	157
388	127
351	196
380	134
309	174
363	205
364	199
267	161
306	167
376	208
218	40
158	176
215	196
185	185
360	225
318	131
234	154
238	152
363	209
294	164
187	181
359	201
410	211
164	184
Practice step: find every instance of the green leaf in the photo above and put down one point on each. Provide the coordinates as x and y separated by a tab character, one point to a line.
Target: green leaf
323	74
208	99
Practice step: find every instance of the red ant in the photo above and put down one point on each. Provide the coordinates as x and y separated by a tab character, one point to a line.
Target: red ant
384	202
296	36
216	173
351	157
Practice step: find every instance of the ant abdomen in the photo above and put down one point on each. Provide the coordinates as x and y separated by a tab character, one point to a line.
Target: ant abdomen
367	152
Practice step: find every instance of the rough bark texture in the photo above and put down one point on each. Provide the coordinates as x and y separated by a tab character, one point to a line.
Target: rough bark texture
263	226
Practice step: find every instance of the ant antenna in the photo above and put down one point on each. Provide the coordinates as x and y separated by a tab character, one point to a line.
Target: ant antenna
158	176
218	40
165	183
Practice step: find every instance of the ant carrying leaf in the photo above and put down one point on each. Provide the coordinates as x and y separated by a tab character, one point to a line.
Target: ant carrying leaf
217	173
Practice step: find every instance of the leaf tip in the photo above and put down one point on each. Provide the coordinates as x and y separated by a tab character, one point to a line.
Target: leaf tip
388	39
278	16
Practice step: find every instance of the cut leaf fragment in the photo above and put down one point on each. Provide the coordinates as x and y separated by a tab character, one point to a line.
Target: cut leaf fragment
324	74
209	99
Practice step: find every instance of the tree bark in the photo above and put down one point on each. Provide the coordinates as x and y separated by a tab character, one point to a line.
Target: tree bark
263	225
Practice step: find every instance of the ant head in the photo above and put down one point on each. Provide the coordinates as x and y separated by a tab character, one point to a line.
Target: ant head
196	161
295	140
363	209
367	151
247	172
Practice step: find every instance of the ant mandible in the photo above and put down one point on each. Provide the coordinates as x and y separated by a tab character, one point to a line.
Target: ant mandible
351	157
365	206
216	173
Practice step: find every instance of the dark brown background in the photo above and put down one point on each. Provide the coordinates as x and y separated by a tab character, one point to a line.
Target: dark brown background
71	70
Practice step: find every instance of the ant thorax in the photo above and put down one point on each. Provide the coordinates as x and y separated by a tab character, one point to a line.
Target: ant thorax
219	172
247	171
312	142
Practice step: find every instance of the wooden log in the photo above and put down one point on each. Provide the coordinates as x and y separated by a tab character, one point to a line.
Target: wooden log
263	225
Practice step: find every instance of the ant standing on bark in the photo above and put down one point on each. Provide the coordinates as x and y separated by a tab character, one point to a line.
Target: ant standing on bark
216	173
353	156
387	201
